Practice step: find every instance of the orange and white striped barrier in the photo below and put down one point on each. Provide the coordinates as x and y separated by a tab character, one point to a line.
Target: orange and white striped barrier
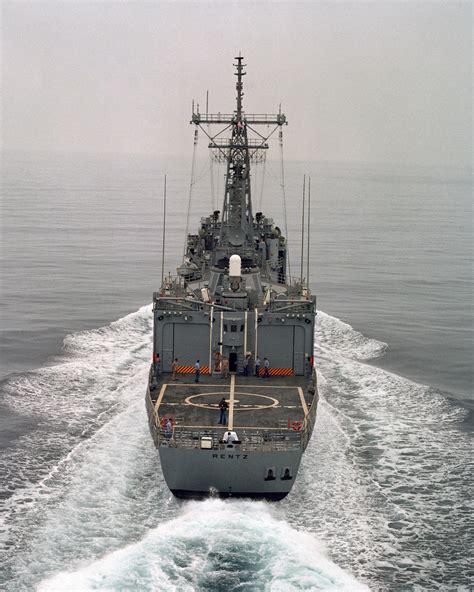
277	371
191	369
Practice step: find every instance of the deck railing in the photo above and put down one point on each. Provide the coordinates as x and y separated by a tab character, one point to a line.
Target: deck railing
250	439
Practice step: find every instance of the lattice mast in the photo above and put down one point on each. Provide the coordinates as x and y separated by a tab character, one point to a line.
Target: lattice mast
238	151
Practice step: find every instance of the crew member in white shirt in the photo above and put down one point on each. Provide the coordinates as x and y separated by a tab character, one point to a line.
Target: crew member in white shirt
230	437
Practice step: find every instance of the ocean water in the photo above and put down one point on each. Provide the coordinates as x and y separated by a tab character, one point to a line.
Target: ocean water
382	501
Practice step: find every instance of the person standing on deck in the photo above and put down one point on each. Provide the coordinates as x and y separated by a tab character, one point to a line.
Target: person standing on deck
266	367
169	429
246	364
156	363
223	405
230	437
174	368
217	361
257	366
197	370
225	367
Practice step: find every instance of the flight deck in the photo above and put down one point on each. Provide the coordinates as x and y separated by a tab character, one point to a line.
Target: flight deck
277	402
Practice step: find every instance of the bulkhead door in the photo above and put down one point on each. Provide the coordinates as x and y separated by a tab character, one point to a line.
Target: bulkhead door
191	343
276	343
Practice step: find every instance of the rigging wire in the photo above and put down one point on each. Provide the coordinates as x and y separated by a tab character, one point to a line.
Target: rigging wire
204	171
255	181
191	185
284	202
211	167
211	158
260	201
218	177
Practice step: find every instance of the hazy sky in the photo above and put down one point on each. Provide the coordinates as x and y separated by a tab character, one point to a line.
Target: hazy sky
359	81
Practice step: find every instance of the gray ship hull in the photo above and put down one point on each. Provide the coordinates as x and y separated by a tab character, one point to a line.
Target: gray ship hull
229	472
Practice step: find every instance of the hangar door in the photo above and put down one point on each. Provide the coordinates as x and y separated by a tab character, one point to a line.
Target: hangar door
191	343
283	346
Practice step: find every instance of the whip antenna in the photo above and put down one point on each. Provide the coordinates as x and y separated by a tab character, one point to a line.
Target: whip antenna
164	236
302	230
309	226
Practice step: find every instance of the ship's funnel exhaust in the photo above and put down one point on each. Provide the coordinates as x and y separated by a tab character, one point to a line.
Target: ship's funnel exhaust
235	266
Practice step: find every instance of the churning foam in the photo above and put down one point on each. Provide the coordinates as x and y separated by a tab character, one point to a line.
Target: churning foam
214	545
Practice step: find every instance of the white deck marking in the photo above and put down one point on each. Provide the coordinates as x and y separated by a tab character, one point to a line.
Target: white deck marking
192	398
303	400
267	385
195	384
231	402
160	396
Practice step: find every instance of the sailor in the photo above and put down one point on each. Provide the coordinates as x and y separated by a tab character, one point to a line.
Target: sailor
156	363
257	366
246	364
266	366
217	361
223	406
225	367
169	428
230	437
197	370
174	368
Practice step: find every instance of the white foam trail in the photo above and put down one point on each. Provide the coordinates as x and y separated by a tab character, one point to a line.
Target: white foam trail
68	402
214	545
385	472
337	337
402	444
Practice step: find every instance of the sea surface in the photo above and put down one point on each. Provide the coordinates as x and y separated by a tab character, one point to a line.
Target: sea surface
383	498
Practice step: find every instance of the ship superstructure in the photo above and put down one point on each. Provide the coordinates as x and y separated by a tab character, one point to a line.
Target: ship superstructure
233	327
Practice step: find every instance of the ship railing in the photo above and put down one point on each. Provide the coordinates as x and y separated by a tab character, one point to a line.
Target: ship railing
250	439
232	143
275	119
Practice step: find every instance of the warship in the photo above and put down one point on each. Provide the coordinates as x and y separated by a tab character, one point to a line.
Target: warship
232	391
